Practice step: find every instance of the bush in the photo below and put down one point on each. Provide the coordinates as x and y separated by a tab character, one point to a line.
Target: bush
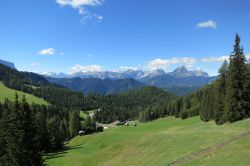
99	129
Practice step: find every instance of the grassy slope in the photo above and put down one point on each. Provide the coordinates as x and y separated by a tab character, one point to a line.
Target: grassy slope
84	115
10	93
157	143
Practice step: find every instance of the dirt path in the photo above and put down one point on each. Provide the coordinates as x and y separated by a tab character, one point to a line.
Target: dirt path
207	150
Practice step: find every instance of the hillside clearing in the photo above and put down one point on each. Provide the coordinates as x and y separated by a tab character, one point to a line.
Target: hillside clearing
158	143
10	94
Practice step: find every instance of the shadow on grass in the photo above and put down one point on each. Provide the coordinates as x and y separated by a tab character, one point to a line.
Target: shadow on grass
61	153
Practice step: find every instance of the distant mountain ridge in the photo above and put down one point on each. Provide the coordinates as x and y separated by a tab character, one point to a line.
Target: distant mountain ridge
180	81
8	64
183	72
134	74
96	85
164	81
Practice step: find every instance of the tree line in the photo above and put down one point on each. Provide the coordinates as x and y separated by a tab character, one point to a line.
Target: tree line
28	131
225	100
127	106
37	85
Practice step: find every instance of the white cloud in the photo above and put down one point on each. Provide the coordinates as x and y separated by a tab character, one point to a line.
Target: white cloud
48	51
88	68
98	17
214	59
87	16
81	5
158	63
207	24
187	61
219	58
165	63
128	68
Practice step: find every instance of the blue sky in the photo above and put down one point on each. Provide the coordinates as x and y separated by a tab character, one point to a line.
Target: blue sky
95	35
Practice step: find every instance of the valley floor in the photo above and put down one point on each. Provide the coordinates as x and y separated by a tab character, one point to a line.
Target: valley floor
159	143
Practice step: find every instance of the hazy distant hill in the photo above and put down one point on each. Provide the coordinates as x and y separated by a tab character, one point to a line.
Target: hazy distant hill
8	64
166	80
96	85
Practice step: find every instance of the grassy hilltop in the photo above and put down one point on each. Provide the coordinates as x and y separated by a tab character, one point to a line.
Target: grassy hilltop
160	143
10	94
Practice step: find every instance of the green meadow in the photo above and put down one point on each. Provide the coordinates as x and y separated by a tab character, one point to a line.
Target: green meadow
85	114
7	93
158	143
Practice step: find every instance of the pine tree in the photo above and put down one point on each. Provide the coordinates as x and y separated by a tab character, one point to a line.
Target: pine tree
42	132
87	124
235	84
74	123
247	90
31	155
13	152
141	116
220	115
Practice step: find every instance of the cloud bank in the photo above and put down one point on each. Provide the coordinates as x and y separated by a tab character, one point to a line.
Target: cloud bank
87	68
187	61
165	63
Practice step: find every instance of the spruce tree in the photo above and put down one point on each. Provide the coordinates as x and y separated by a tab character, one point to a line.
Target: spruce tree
220	115
87	125
13	135
74	123
247	90
235	102
31	155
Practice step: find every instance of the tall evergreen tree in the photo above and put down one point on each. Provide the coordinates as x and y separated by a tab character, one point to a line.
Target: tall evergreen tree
74	123
235	104
13	151
247	90
220	115
31	155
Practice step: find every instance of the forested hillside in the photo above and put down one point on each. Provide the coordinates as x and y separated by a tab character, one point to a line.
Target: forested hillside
96	85
126	106
7	93
37	85
28	131
225	100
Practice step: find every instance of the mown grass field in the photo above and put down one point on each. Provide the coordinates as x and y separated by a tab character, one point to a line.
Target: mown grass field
157	143
10	94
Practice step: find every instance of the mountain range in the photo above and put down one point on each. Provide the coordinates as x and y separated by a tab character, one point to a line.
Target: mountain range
180	81
135	74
